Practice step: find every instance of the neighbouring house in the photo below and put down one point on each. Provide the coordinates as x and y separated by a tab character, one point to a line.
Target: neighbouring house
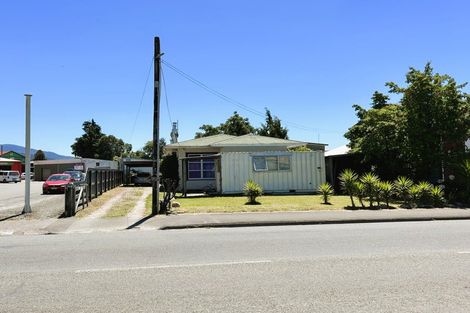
223	163
10	164
44	168
339	159
12	155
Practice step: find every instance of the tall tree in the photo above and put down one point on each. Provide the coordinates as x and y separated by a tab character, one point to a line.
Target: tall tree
147	149
86	146
380	137
208	130
110	147
39	156
273	127
422	134
237	125
437	120
94	144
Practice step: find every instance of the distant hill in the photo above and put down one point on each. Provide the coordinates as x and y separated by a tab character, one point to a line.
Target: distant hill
49	155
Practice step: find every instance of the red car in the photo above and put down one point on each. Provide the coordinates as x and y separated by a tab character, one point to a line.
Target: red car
56	183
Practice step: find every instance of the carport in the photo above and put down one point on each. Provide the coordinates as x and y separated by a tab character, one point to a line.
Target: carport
129	164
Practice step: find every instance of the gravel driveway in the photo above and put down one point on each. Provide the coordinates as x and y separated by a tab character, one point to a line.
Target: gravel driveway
43	206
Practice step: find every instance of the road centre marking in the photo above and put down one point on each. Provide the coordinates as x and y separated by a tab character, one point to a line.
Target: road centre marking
120	269
463	252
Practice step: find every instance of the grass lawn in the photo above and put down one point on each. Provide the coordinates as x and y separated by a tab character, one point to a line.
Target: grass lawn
126	204
267	204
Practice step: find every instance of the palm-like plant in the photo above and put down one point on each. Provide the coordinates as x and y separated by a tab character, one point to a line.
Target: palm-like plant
415	194
359	192
402	187
370	181
326	191
386	191
437	196
347	180
424	192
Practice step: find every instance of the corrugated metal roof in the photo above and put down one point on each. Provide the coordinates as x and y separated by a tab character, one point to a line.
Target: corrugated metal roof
250	139
245	140
200	142
342	150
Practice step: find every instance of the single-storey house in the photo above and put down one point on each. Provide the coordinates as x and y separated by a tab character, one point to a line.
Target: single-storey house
10	164
224	163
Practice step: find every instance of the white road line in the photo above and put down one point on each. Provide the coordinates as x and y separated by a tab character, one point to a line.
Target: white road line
119	269
463	252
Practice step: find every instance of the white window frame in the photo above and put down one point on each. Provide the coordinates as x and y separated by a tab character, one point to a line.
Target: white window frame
201	162
266	167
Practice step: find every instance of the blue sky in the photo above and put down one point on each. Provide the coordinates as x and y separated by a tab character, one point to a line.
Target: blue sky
307	61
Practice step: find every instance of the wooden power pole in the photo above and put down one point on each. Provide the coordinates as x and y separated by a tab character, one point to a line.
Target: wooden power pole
156	129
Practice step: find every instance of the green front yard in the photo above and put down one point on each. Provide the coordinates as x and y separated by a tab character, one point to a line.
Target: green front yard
268	203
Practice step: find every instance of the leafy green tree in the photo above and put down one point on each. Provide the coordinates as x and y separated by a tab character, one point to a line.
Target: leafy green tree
273	127
379	136
421	134
437	120
86	146
94	144
208	130
39	156
110	147
147	150
169	169
237	125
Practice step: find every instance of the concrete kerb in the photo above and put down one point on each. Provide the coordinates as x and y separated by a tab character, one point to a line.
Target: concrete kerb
303	218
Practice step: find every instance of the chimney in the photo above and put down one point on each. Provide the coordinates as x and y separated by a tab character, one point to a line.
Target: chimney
174	133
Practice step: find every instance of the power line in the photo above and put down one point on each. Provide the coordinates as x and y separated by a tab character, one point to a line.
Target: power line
230	100
166	97
141	100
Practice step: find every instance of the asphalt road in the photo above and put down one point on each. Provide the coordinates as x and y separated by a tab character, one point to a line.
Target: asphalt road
389	267
12	200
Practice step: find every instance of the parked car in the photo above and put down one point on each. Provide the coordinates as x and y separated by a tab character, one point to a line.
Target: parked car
10	176
23	176
56	183
76	175
143	179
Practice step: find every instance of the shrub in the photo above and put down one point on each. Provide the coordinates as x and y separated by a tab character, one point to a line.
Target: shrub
386	191
437	196
424	193
370	182
359	192
402	187
415	195
252	190
326	191
348	179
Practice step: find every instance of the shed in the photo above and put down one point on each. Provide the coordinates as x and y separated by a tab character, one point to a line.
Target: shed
44	168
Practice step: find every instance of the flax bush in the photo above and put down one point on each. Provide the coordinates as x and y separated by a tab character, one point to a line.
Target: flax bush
252	190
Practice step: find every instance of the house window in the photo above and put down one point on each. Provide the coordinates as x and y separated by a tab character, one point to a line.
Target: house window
201	168
271	163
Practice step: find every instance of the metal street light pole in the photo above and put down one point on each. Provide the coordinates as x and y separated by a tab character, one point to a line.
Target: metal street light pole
27	157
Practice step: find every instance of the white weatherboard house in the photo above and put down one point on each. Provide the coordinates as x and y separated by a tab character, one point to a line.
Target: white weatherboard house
223	164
